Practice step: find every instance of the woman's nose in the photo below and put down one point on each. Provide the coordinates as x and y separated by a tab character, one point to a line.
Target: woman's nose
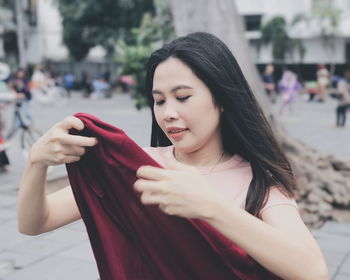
170	112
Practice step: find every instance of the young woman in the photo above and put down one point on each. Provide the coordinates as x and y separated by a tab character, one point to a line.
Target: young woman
222	162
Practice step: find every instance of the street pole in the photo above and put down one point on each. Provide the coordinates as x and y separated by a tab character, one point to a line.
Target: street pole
20	33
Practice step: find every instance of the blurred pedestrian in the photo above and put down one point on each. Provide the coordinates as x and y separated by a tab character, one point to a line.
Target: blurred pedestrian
322	81
68	82
269	82
3	145
100	88
311	88
39	80
289	87
107	76
4	161
86	84
19	84
343	99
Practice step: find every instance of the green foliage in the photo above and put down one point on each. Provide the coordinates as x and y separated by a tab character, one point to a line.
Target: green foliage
275	32
77	42
89	23
9	4
133	55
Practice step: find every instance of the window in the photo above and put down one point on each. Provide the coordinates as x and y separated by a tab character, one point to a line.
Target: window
252	22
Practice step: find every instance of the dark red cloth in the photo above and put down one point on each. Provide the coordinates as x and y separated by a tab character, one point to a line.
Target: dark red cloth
133	241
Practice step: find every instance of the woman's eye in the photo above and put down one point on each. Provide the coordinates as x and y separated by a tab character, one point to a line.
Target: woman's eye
160	102
183	98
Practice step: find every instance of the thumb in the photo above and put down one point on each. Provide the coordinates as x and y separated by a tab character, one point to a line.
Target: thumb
172	163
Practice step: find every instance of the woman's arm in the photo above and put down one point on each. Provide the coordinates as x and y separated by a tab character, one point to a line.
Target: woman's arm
280	241
37	212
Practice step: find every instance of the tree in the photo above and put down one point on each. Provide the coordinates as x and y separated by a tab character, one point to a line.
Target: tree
275	32
89	23
324	182
152	33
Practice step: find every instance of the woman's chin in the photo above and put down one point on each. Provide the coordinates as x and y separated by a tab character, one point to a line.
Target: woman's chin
184	147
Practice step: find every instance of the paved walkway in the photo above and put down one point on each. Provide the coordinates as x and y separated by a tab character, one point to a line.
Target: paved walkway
314	124
66	254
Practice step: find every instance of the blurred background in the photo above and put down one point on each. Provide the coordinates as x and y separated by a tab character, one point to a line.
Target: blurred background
60	57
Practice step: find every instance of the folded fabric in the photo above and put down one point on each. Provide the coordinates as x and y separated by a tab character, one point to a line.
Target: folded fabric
135	241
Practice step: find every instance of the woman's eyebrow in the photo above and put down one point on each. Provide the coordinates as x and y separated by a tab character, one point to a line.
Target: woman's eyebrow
173	90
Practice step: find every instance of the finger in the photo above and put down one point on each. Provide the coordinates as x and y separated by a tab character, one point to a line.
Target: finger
142	185
78	140
72	122
152	173
151	198
70	159
171	163
166	209
73	150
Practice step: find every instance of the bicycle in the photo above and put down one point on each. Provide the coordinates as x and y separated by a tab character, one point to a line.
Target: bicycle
24	122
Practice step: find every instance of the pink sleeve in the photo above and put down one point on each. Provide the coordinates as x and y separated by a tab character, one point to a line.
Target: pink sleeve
276	197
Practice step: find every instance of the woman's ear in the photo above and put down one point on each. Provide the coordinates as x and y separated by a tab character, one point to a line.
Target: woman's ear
221	109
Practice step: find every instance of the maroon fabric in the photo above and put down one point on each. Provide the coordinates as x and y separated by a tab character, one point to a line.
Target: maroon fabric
134	241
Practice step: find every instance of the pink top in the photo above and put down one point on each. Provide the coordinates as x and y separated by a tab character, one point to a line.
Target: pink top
231	178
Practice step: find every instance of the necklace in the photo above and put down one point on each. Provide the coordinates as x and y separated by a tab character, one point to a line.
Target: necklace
212	169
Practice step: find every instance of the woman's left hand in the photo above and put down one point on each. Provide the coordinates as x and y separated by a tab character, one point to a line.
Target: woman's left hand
178	189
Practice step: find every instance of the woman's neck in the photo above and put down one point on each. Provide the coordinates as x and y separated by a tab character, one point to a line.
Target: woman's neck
202	157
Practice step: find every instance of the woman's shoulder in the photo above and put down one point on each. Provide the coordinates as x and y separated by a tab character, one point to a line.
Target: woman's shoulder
276	197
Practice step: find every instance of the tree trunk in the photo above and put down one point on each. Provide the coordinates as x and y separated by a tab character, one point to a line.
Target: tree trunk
323	181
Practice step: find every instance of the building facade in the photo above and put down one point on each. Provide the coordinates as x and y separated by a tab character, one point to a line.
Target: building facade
256	12
42	31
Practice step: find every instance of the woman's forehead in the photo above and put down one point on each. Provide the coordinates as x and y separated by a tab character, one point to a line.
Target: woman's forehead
172	66
173	72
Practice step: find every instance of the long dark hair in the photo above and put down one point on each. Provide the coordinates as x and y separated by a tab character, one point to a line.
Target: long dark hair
244	128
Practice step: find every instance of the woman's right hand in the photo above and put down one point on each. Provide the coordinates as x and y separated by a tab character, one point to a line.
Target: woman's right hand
57	146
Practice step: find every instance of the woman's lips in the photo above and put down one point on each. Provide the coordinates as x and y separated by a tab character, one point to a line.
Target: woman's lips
177	134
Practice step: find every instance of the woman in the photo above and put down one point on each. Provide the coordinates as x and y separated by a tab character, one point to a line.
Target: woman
289	87
322	81
204	115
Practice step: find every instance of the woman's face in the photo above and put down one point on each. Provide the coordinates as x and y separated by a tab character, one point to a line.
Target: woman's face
184	107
